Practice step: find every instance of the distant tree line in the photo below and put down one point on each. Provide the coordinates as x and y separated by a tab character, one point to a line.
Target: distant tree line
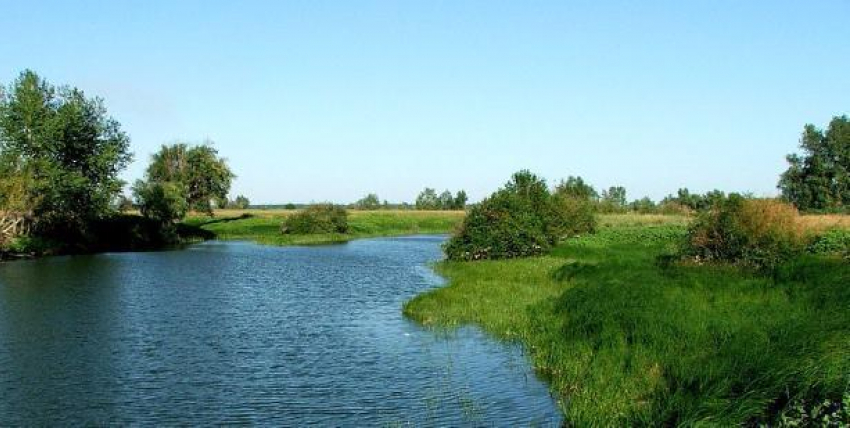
428	199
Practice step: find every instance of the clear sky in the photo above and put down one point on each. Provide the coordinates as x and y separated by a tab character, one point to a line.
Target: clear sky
315	100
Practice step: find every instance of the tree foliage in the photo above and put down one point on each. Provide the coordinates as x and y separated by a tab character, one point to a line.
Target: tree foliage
521	219
199	169
428	199
368	202
60	155
460	200
819	179
576	187
164	202
241	202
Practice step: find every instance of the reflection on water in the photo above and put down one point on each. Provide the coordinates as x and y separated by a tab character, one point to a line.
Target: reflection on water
241	333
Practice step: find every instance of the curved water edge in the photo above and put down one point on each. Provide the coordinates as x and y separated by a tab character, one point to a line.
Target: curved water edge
231	332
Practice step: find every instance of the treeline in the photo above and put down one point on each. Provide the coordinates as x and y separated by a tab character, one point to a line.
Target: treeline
428	199
60	157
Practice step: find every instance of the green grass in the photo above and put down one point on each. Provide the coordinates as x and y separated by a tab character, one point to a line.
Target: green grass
264	226
624	340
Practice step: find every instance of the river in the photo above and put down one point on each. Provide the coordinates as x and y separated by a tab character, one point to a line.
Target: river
238	333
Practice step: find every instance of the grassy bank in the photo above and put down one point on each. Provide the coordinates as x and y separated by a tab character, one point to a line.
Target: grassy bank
263	226
626	341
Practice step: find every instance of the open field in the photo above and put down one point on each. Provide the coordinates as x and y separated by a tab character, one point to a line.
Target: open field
822	222
624	340
263	226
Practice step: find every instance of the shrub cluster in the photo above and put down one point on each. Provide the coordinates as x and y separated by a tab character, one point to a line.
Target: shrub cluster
759	233
319	218
836	241
521	219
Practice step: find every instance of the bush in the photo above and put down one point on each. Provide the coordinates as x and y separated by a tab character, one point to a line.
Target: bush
760	233
320	218
573	216
836	241
522	219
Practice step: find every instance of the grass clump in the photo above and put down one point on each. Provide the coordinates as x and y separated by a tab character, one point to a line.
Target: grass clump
761	233
317	219
521	219
624	341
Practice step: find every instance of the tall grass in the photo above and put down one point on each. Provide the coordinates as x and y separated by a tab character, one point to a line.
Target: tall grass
625	341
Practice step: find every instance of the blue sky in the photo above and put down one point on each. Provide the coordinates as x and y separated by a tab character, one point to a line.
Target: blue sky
315	100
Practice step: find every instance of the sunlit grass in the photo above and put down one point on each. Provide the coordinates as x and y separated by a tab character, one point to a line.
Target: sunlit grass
624	341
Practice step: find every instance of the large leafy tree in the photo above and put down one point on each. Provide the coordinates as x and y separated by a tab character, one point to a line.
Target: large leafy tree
203	174
60	154
820	177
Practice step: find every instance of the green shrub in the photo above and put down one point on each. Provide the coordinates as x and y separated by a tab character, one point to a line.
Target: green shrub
28	244
573	216
760	233
522	219
836	241
319	218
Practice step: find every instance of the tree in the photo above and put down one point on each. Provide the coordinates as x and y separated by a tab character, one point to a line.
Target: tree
241	202
445	201
576	187
164	202
369	202
204	174
460	200
820	178
62	153
427	200
615	195
644	205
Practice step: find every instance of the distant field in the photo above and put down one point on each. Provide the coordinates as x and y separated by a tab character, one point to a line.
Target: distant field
821	222
263	226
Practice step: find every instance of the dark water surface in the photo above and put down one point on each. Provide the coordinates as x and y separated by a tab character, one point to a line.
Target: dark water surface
241	333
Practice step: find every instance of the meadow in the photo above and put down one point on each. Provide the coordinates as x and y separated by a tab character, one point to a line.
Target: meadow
626	339
263	226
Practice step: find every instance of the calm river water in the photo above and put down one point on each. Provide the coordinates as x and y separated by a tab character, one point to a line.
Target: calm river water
225	333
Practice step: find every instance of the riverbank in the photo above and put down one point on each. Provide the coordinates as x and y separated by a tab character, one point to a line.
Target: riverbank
624	340
263	226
